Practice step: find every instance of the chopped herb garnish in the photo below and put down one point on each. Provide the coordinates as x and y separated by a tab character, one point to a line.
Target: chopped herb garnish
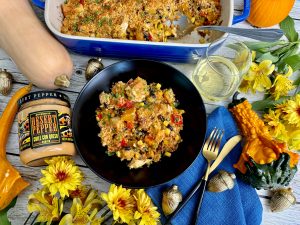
88	19
75	27
102	21
110	153
116	95
109	21
106	7
176	103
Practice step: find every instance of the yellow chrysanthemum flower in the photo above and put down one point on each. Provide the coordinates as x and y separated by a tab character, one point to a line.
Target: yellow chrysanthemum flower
292	111
80	215
279	108
80	192
48	207
282	84
275	126
56	159
120	201
61	177
258	76
293	134
146	213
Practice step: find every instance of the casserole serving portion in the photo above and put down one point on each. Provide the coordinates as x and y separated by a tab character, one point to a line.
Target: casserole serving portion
181	50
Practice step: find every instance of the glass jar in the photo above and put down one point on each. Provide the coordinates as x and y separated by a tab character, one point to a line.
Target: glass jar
44	127
219	72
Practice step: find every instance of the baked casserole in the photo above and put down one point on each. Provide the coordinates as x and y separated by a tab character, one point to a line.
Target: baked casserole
147	20
138	122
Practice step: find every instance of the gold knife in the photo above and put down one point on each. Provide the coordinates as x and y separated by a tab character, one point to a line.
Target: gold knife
229	145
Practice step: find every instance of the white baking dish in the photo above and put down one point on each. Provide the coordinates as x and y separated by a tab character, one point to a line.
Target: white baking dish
180	50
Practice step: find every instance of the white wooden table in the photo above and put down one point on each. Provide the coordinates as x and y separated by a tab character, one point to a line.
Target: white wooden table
19	213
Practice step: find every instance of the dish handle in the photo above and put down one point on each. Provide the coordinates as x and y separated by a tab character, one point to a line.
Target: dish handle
244	15
39	3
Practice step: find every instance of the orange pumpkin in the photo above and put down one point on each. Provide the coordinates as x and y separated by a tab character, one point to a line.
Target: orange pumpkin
266	13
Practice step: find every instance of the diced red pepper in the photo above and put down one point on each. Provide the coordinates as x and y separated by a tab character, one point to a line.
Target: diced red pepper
81	2
127	104
129	125
121	102
99	116
150	37
123	143
176	119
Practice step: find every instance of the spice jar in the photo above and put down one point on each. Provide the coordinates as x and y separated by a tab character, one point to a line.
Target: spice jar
44	127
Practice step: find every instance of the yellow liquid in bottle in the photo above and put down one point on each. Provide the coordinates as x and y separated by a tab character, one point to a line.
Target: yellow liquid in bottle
216	79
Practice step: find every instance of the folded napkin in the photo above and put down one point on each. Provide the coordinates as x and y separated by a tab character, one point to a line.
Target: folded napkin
240	205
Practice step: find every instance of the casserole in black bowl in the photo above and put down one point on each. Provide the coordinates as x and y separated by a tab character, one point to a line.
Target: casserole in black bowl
111	168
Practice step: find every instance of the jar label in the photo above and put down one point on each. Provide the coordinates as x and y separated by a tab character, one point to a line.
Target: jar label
44	128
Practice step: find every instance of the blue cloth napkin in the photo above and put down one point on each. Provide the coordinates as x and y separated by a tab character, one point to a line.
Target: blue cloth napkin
238	206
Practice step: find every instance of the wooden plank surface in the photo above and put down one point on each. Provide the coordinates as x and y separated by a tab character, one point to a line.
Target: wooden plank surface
19	213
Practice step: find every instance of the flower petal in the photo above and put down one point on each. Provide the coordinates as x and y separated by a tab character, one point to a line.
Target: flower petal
265	64
66	220
289	72
253	55
254	67
266	67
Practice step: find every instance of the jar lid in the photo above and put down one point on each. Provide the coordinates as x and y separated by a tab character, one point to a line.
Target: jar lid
44	95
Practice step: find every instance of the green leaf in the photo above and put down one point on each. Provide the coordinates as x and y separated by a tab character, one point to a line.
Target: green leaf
292	51
259	45
297	82
267	56
293	61
3	214
297	91
288	27
268	103
281	64
282	49
282	68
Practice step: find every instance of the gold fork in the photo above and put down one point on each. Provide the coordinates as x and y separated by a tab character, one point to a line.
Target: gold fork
212	144
210	152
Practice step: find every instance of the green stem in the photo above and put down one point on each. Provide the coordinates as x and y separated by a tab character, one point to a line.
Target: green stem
297	90
109	217
103	206
107	211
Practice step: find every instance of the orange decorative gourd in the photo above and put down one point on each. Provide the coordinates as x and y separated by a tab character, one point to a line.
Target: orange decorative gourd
266	13
264	162
11	182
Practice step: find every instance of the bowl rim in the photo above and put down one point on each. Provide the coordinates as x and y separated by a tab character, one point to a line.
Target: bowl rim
136	186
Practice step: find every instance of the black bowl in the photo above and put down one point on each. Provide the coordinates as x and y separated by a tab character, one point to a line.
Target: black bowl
110	168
